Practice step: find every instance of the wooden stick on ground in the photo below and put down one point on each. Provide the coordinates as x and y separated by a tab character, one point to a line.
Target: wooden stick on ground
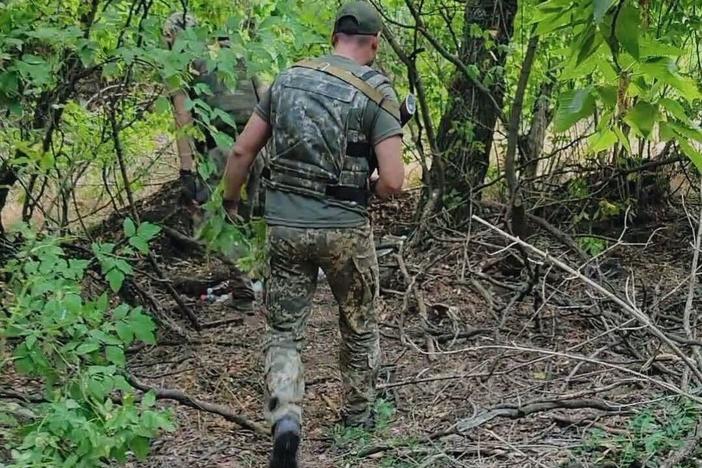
186	400
630	309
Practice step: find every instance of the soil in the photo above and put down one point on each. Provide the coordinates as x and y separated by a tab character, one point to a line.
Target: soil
438	407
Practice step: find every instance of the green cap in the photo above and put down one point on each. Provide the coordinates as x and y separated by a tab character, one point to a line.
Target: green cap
358	18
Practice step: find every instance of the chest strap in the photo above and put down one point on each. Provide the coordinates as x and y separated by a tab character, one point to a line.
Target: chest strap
388	105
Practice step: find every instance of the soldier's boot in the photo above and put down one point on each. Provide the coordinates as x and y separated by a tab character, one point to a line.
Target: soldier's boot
286	440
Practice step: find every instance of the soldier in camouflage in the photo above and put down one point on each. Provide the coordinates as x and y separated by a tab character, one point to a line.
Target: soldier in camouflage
331	122
237	103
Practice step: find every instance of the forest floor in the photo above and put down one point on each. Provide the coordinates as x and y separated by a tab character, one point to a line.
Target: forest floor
503	384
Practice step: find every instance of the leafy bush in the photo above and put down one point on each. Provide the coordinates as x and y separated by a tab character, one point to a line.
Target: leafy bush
652	434
84	412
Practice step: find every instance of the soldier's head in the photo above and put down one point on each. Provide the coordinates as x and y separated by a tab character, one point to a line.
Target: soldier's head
357	31
176	23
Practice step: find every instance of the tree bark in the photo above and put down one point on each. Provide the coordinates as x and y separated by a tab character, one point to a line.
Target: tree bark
518	219
466	130
532	144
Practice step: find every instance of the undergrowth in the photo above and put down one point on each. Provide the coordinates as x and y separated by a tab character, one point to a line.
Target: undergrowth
67	347
651	436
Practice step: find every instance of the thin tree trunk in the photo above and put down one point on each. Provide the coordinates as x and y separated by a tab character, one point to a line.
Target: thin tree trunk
466	130
518	220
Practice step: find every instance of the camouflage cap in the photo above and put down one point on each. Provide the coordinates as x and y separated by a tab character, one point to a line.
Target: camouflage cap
358	18
178	21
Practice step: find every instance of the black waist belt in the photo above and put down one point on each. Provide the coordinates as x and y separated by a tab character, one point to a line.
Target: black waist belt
338	192
351	194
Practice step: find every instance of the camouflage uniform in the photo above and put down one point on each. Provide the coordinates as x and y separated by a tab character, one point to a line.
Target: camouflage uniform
238	103
347	257
323	134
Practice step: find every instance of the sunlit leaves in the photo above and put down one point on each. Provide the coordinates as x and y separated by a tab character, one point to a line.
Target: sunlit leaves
600	8
76	348
627	27
573	106
602	140
635	71
642	117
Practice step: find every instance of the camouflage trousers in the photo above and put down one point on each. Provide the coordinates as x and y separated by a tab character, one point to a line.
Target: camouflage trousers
347	257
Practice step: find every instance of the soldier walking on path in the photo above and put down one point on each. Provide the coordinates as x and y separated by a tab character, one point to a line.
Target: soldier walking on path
331	121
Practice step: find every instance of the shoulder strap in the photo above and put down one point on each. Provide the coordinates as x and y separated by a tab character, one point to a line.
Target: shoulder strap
371	93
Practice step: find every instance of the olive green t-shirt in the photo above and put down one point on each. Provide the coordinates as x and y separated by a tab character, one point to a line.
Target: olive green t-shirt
293	210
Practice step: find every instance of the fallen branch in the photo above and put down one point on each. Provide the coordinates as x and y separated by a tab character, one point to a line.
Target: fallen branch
561	236
632	310
186	400
521	411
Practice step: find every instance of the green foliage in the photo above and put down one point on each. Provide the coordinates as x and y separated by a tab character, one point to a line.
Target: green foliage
592	245
651	435
358	437
75	348
637	77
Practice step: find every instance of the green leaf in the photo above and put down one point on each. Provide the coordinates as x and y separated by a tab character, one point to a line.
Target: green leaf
602	141
148	231
223	140
627	27
162	105
115	278
608	94
140	244
553	23
129	227
687	131
572	107
123	266
120	312
692	153
124	331
601	7
667	132
149	399
675	109
202	89
623	139
642	118
142	326
87	348
115	355
650	47
140	447
588	45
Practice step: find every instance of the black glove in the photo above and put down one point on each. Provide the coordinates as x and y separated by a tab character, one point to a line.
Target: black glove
188	185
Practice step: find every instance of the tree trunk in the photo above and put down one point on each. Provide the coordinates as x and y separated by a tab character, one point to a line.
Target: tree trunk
466	129
533	143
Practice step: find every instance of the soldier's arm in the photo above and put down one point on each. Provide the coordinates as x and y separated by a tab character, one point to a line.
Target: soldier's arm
183	119
391	168
386	136
250	141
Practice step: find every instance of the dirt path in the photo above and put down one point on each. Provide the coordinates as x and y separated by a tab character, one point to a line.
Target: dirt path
465	405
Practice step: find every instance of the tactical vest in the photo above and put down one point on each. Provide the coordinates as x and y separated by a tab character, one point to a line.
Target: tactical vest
238	103
319	146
